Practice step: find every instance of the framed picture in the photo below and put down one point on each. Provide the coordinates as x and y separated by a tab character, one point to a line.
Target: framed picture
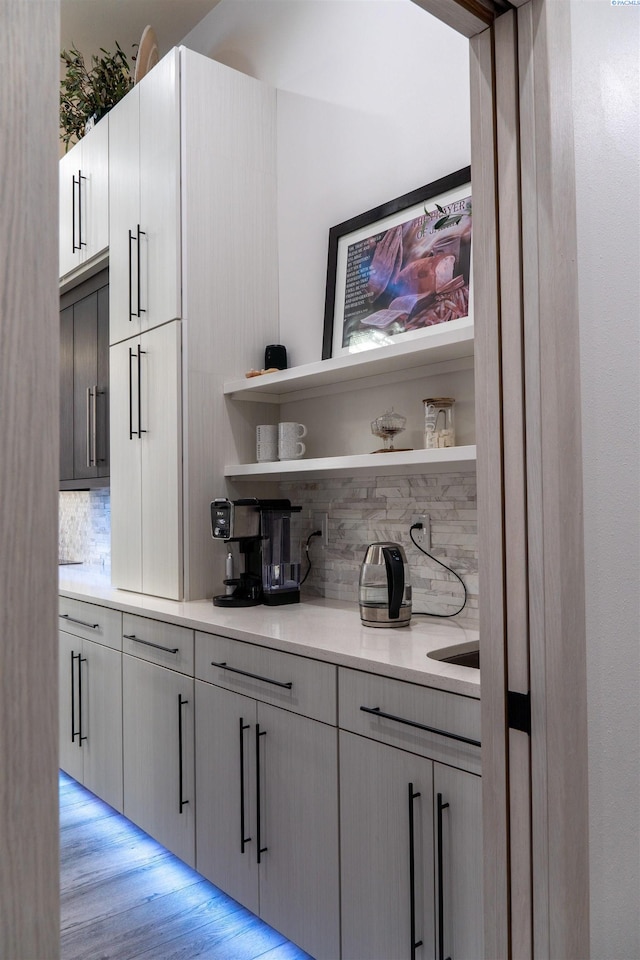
399	269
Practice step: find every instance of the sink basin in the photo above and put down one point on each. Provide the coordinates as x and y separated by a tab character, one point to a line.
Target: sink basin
463	655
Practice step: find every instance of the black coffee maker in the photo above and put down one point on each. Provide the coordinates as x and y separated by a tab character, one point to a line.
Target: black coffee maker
269	548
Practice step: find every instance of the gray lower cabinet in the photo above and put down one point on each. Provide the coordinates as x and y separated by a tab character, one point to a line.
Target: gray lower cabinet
159	778
90	698
411	855
346	815
267	800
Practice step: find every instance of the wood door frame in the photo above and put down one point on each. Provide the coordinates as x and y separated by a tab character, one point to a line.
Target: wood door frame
29	470
532	611
550	448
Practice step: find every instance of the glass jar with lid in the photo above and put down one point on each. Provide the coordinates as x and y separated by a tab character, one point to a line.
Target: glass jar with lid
439	422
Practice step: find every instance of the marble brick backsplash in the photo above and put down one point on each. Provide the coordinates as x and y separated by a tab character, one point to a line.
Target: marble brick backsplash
84	526
363	510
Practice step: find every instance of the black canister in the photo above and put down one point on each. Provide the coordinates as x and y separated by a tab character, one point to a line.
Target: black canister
275	355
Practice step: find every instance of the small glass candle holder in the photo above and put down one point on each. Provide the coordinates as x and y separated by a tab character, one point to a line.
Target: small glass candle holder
439	422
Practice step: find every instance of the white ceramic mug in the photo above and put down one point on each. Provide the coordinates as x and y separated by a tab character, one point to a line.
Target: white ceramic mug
266	442
291	449
266	451
267	433
291	431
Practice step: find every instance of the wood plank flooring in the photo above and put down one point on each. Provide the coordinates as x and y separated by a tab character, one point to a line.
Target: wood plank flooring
124	897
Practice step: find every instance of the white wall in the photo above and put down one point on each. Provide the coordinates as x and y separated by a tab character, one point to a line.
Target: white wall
373	102
606	83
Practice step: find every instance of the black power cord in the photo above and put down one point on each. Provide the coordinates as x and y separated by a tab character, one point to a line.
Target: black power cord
316	533
424	613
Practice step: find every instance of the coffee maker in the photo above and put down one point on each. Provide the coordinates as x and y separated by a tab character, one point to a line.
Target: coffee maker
269	548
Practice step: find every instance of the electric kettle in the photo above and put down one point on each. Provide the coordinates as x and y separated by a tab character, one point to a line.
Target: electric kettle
385	591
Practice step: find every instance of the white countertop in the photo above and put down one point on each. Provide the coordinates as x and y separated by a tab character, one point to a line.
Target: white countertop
328	630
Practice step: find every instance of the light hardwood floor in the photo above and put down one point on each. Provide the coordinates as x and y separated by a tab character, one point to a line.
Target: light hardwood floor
124	897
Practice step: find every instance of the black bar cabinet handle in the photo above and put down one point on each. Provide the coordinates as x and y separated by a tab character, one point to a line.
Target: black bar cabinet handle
141	353
132	432
440	806
73	214
377	712
141	233
81	660
254	676
81	242
259	848
88	417
243	726
131	313
148	643
94	427
182	802
83	623
74	732
412	875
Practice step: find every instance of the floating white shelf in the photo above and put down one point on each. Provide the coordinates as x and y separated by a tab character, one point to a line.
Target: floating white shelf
438	344
448	459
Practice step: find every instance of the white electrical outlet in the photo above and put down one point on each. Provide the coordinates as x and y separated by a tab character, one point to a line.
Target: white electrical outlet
321	523
423	536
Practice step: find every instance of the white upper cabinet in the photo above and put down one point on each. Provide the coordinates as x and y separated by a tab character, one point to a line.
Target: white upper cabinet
144	203
84	199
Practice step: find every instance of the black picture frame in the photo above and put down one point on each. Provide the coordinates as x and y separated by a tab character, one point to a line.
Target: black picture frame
369	305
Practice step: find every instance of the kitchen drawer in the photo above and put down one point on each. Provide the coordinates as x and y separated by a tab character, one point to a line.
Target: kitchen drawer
163	643
410	709
296	683
100	624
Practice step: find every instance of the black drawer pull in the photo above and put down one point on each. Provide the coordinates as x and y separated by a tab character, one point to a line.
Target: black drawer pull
440	873
74	732
259	848
243	840
81	660
148	643
254	676
92	626
413	943
377	712
181	801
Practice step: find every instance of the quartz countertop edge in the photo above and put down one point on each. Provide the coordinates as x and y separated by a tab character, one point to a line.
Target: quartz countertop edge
322	629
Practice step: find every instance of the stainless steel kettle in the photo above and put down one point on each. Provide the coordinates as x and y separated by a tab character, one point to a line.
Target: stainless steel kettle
385	591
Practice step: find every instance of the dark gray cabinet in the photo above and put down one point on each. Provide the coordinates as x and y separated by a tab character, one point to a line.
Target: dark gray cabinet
84	384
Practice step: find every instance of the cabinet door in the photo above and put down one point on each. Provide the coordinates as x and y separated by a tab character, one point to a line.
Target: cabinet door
126	467
71	754
85	385
458	801
94	187
161	468
101	449
146	462
69	251
160	267
84	199
124	215
102	721
298	805
376	812
158	737
66	393
226	792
